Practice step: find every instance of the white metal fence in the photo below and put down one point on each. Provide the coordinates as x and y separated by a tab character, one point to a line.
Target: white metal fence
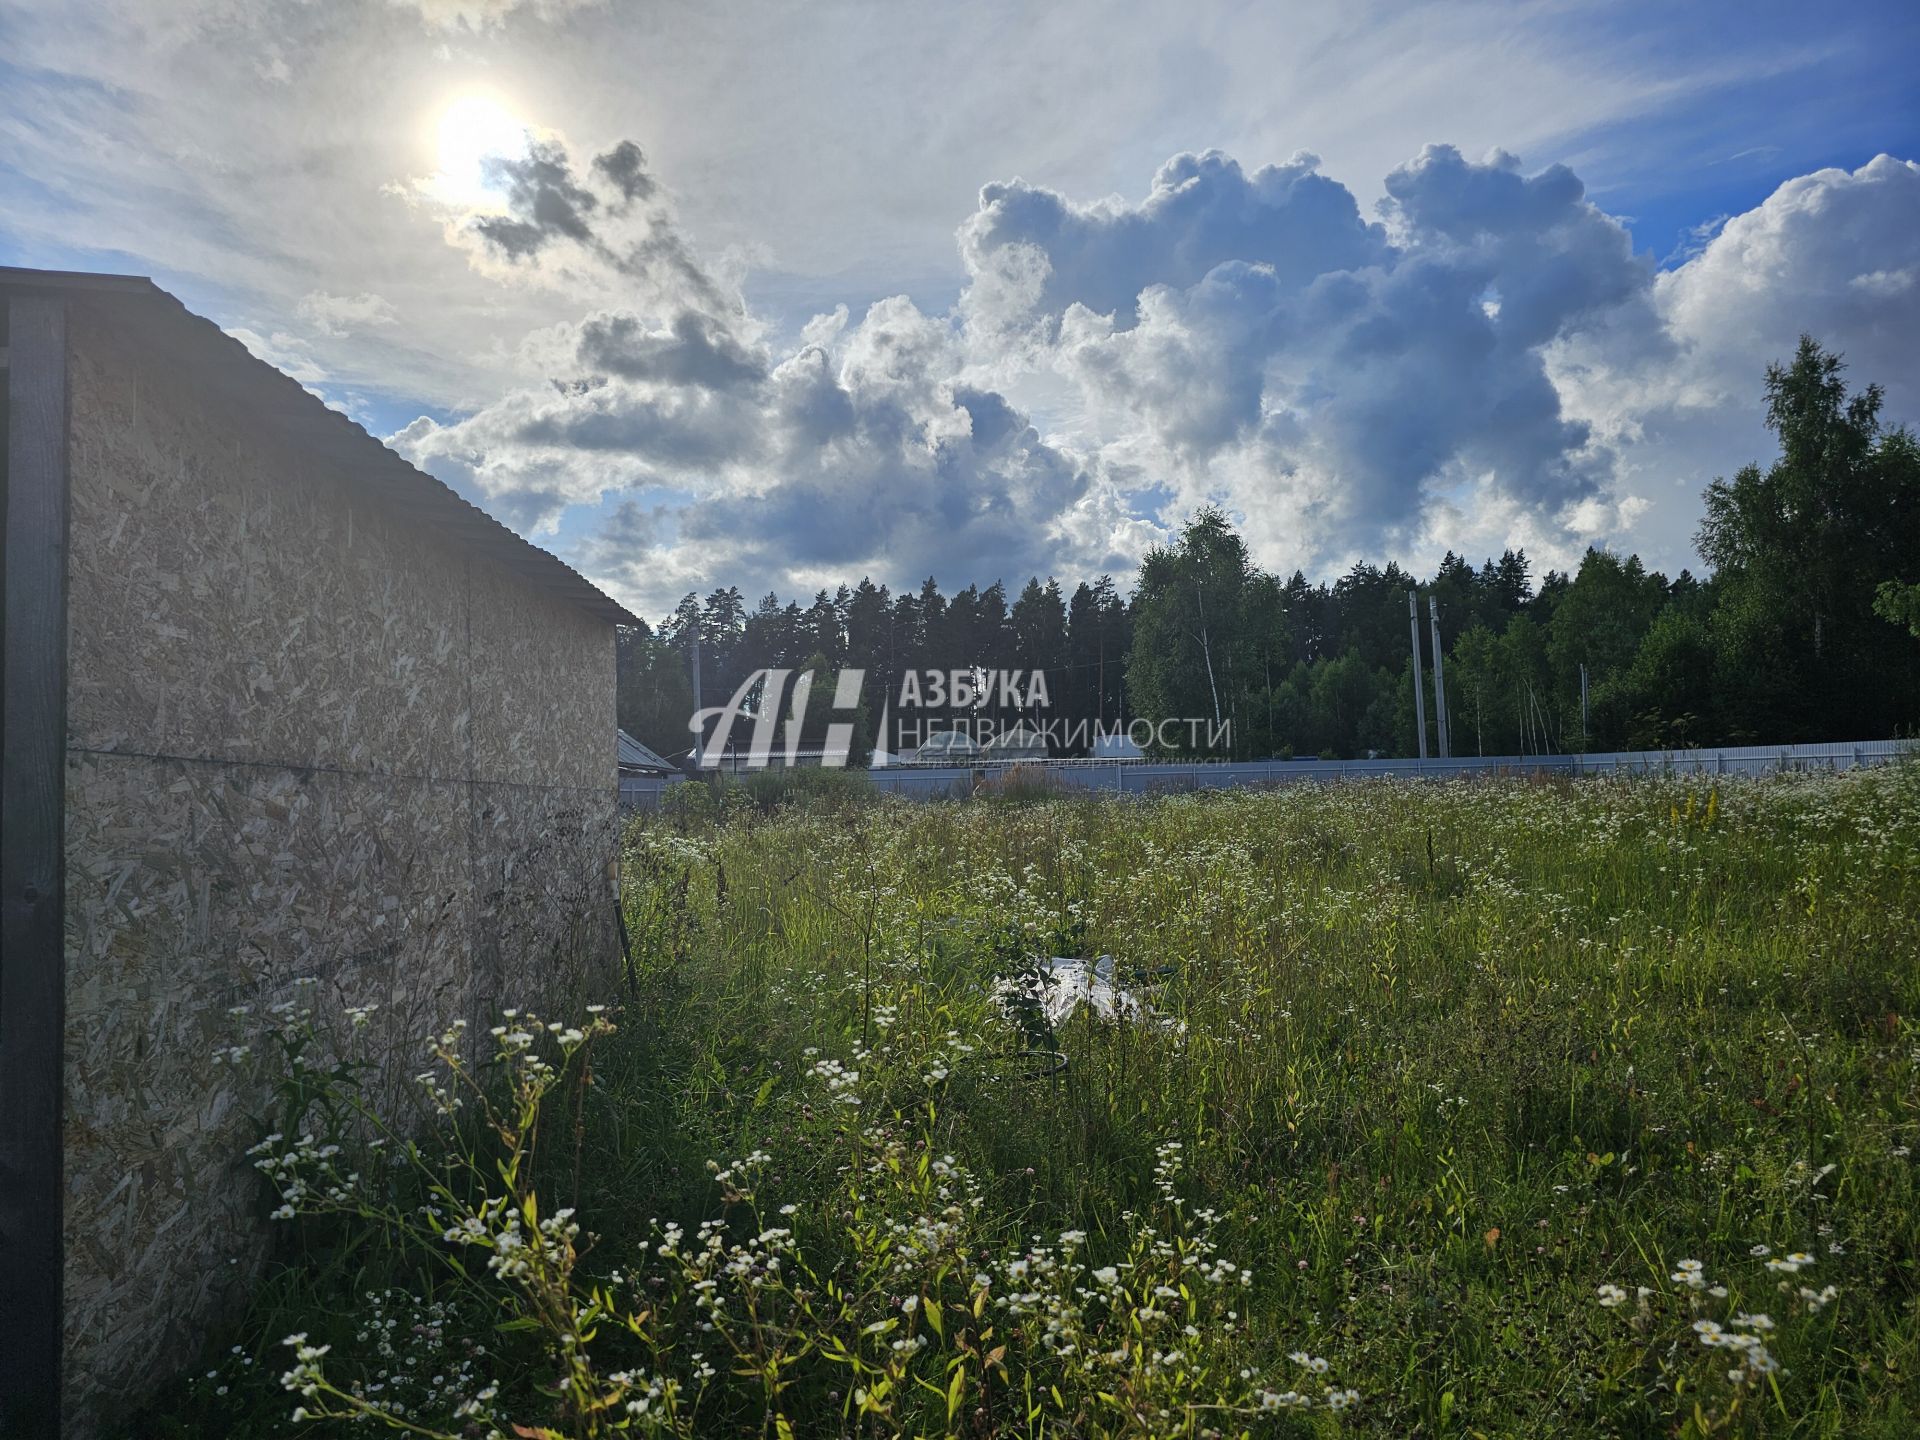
1145	777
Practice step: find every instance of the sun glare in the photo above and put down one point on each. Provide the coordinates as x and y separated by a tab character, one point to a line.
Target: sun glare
473	130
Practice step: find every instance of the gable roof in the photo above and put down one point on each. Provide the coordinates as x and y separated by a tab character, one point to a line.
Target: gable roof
215	359
1018	736
634	755
947	742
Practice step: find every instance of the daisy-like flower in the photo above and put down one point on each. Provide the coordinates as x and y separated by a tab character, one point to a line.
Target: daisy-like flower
1690	1273
1612	1295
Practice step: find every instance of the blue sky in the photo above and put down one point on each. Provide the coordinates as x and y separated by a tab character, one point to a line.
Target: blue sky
1089	280
1844	92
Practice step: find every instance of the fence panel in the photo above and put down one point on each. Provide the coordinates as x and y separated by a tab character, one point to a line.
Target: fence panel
1146	777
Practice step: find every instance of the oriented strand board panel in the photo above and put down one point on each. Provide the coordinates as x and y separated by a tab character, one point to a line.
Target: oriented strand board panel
538	904
240	602
534	720
275	771
192	889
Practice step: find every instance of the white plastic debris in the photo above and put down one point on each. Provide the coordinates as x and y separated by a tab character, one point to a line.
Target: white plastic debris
1061	984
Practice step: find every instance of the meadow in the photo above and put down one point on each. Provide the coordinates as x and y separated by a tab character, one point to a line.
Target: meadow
1470	1109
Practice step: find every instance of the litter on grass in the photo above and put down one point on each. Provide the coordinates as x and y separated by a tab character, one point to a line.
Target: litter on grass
1058	985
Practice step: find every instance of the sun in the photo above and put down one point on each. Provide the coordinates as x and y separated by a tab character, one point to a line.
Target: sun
473	130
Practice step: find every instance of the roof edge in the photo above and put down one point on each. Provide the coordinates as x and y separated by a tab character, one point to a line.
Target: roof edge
342	439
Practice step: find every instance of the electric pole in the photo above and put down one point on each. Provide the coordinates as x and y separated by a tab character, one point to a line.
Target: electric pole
1439	683
1419	687
699	735
1583	709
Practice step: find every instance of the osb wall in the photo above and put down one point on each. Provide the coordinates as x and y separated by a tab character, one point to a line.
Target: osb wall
305	739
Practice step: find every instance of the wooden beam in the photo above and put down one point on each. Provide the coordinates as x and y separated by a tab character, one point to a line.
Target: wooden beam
33	651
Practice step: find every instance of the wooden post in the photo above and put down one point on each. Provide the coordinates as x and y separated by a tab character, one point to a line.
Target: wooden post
32	869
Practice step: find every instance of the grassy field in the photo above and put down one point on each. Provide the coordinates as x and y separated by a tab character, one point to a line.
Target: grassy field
1443	1110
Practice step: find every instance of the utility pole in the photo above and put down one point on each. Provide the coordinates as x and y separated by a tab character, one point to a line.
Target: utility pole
699	736
1100	700
1419	688
1583	709
1439	681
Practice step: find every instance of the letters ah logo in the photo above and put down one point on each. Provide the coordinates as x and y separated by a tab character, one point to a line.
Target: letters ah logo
771	685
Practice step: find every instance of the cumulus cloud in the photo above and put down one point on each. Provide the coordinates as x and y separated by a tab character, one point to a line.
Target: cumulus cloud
1326	375
625	168
693	350
1033	252
1479	363
544	203
865	446
1835	253
879	460
632	550
1831	254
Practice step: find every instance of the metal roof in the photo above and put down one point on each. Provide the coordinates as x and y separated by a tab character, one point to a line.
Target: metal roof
1014	746
946	742
634	755
220	362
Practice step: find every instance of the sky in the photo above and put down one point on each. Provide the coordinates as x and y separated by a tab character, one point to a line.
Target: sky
778	296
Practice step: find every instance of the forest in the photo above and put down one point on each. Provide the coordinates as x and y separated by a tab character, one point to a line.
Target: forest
1805	626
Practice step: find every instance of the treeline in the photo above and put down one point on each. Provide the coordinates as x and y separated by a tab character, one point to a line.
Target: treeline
1806	628
1079	644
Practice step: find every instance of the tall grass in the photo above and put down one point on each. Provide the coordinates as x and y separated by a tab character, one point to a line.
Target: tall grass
1507	1108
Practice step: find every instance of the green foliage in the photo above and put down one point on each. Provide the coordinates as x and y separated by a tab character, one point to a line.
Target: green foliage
1200	614
1601	621
1526	1109
1024	785
653	697
1801	549
1789	640
808	786
1899	605
1671	682
1501	692
819	722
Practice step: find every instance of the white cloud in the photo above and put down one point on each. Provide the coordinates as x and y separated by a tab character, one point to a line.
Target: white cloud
336	316
1486	364
1326	376
882	462
1833	254
1827	255
1482	358
286	353
481	15
1030	250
